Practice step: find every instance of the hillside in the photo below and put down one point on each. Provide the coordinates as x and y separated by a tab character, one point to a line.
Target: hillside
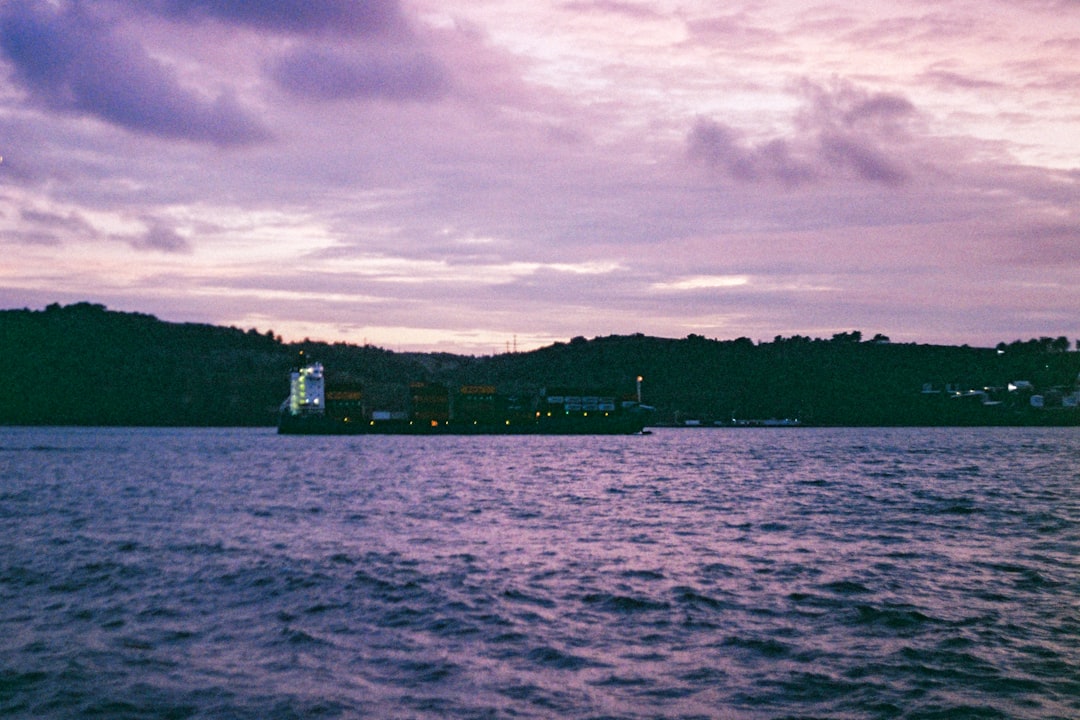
85	365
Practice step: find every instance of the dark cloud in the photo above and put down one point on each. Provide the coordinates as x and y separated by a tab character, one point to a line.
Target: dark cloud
341	17
879	107
390	74
69	223
841	134
160	238
846	152
721	148
845	107
37	227
42	227
70	61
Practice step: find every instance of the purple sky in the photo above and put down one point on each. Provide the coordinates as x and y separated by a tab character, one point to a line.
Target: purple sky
423	178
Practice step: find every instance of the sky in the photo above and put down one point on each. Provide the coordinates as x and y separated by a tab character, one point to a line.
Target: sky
499	174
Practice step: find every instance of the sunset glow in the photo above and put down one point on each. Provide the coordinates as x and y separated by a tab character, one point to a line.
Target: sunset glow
418	177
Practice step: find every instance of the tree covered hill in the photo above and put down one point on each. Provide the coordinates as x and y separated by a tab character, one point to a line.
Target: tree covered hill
85	365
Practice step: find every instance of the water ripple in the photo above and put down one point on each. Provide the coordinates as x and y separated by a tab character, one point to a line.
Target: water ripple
739	574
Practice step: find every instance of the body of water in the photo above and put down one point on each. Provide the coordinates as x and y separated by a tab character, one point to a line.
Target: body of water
832	573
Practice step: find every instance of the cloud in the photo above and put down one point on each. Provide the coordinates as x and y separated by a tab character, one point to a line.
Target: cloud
734	30
876	108
614	7
388	74
354	18
63	227
70	61
161	238
47	227
850	153
703	282
948	80
842	133
721	147
1043	244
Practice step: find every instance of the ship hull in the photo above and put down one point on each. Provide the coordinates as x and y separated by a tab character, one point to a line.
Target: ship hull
629	424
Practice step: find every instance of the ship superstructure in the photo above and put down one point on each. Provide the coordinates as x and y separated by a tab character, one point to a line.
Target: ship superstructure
307	391
316	407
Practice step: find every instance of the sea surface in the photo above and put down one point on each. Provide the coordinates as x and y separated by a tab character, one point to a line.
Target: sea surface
712	573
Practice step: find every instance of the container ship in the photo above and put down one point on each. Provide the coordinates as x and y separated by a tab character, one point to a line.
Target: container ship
316	408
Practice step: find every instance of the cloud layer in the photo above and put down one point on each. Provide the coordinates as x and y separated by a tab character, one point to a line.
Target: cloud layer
72	62
423	177
334	17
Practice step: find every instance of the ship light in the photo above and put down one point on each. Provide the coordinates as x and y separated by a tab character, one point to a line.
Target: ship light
434	423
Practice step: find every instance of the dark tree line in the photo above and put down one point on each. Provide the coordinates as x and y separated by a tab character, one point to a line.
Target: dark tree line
1041	346
85	365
